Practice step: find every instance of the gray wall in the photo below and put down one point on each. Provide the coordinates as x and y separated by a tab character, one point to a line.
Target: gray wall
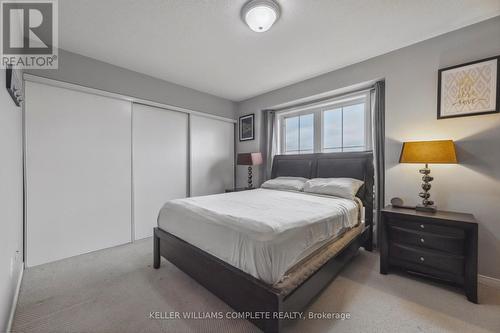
411	93
85	71
11	201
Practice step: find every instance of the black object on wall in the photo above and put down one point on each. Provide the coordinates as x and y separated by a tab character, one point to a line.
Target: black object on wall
247	127
13	85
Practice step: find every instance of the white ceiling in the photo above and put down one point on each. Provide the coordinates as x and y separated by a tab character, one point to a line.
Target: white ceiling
203	44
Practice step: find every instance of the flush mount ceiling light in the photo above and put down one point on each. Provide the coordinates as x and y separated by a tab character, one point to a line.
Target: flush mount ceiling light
260	15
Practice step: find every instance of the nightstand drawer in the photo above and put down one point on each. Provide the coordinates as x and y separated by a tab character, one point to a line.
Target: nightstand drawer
447	243
428	258
421	225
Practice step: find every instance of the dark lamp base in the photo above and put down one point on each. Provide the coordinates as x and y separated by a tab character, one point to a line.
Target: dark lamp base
250	184
429	209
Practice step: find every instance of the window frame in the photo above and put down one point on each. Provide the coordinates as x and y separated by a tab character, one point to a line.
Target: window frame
318	114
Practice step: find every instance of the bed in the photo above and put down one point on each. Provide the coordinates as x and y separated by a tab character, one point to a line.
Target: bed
259	250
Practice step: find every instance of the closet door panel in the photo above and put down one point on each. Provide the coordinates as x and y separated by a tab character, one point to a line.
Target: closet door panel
160	163
78	172
212	155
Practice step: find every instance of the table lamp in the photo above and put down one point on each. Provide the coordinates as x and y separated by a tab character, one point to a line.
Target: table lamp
428	152
249	159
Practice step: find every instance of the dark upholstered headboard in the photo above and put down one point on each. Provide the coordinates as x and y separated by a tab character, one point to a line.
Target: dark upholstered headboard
357	165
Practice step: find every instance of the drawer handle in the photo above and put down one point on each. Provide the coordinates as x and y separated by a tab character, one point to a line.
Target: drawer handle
422	240
422	226
422	259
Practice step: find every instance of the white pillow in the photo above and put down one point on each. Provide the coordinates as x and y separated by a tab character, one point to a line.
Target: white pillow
285	183
339	187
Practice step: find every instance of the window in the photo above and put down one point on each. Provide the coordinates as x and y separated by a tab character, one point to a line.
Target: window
344	129
341	125
299	134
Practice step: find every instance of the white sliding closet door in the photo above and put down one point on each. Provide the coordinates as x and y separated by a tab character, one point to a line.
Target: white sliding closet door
78	172
160	163
212	155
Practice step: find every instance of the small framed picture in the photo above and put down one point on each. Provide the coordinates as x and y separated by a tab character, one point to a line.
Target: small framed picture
469	89
247	127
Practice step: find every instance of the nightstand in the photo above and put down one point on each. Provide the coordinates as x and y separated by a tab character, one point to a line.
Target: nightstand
239	189
441	245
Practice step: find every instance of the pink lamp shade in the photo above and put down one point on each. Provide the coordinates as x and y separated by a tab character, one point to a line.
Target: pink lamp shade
249	159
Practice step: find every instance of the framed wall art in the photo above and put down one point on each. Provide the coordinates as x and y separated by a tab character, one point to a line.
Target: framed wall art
247	127
469	89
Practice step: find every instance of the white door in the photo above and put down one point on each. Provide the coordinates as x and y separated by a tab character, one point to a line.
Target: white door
212	155
160	163
78	172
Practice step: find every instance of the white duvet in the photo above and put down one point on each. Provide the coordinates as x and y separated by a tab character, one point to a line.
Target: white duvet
262	232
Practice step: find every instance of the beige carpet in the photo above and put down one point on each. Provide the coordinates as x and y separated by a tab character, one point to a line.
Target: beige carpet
114	290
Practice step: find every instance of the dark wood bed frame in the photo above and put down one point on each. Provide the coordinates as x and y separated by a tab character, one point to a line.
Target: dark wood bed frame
243	292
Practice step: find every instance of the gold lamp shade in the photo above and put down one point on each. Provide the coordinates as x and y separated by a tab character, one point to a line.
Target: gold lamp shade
442	151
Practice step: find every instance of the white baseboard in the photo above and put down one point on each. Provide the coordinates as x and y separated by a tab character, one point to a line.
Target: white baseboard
14	299
489	281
